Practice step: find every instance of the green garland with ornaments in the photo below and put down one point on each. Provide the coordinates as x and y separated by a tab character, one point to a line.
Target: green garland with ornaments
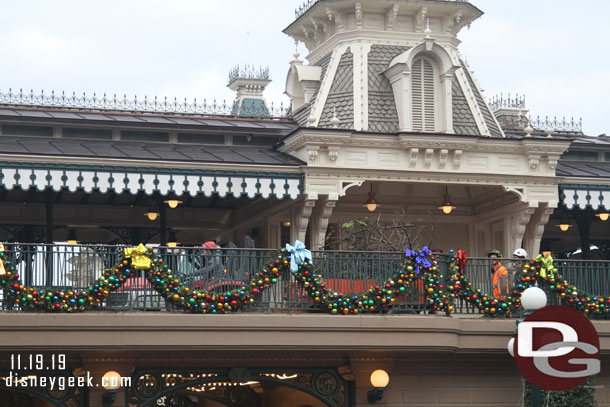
420	268
540	271
420	272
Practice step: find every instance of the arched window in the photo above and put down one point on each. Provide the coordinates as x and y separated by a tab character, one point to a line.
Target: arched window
423	85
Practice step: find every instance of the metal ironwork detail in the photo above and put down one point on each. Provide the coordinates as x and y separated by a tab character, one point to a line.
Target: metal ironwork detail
558	125
147	385
325	384
68	397
584	197
144	105
502	102
249	72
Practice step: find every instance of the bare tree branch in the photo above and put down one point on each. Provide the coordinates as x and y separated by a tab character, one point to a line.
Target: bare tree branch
401	232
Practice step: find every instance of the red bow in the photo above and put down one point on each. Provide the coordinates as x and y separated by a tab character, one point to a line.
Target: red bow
462	259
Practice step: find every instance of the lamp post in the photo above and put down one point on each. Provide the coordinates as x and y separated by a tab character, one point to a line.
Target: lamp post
379	380
111	383
532	299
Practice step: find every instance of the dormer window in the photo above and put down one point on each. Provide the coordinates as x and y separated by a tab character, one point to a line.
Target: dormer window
421	80
423	90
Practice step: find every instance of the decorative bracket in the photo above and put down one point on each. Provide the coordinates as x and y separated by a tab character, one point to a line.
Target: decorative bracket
552	160
428	157
333	153
391	16
517	190
334	15
313	153
420	18
413	158
442	159
457	159
534	160
358	15
347	185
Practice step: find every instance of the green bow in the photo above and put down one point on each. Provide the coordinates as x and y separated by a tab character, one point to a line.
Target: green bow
546	265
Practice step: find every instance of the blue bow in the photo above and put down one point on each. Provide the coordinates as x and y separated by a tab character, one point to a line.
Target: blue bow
298	255
421	258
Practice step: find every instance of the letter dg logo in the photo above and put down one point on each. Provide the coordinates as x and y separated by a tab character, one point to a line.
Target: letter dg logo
557	348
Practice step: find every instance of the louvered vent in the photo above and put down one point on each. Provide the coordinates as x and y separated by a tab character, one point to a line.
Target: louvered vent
423	95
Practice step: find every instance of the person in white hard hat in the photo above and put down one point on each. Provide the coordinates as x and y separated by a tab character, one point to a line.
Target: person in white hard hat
520	257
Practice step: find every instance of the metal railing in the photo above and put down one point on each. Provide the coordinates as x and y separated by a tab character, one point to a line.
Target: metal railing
139	105
249	72
592	277
558	125
65	267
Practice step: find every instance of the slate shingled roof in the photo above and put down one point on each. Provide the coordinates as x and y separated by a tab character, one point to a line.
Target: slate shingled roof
301	115
145	151
494	129
463	119
341	96
589	169
383	117
82	117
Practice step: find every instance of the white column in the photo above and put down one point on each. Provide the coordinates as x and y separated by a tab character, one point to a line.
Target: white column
299	219
447	101
535	228
319	221
515	227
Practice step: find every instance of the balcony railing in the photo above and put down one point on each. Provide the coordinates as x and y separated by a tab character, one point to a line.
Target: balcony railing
71	268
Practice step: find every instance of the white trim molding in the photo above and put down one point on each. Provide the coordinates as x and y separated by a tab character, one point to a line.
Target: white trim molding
149	181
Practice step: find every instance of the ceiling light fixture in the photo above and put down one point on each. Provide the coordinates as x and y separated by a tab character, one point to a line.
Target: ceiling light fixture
173	203
151	214
173	242
72	239
565	224
446	205
371	203
603	215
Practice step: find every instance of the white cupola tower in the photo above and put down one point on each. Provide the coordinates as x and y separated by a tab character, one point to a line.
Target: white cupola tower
386	66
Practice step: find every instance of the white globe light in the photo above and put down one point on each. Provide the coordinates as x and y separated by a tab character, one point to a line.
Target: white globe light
533	298
111	380
380	378
510	346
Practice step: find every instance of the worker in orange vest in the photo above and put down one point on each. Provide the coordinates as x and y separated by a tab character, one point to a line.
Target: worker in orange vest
500	275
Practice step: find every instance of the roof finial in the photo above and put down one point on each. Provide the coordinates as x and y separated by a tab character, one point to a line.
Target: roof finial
334	121
296	54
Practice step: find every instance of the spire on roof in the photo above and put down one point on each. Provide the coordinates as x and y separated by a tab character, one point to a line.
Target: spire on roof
249	83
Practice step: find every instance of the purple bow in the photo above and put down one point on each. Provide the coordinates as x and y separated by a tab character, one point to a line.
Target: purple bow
421	258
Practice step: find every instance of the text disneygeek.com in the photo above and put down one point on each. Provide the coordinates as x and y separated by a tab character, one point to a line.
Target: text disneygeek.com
61	383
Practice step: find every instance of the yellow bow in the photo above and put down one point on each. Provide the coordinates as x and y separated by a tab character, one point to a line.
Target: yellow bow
139	259
2	270
546	266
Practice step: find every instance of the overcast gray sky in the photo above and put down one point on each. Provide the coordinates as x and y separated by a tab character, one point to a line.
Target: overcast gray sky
557	52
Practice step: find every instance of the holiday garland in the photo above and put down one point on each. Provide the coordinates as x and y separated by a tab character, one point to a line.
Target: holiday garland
417	266
45	299
419	269
538	272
